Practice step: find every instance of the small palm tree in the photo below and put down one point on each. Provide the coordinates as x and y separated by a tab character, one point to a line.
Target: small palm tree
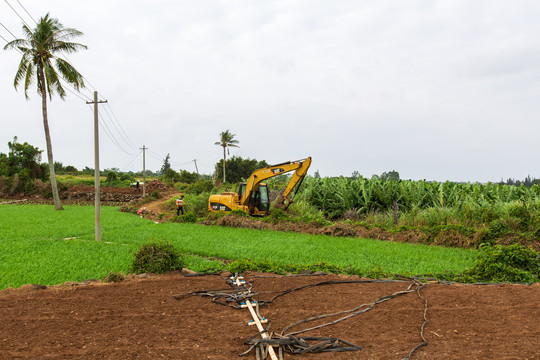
227	140
38	57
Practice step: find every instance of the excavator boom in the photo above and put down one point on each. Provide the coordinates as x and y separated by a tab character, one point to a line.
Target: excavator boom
252	196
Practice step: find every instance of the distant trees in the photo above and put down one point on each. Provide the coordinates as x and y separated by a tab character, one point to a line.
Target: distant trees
40	63
166	165
239	169
386	176
528	181
226	141
22	159
59	168
390	175
22	166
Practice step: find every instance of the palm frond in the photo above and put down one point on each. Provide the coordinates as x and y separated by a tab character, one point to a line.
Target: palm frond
17	43
53	82
30	71
21	71
67	47
69	73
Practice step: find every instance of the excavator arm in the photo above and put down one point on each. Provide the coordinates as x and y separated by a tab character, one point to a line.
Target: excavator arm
300	168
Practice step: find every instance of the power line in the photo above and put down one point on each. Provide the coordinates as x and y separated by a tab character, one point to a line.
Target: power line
133	159
27	12
20	17
109	134
119	129
155	156
4	39
105	127
112	112
75	92
8	31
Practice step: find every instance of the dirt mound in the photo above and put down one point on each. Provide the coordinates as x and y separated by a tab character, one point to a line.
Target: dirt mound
157	185
140	319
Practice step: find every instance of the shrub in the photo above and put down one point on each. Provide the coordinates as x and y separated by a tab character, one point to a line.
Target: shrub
513	263
239	266
188	217
157	258
497	229
519	212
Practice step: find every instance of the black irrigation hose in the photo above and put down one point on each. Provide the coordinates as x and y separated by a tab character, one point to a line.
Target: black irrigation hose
330	282
301	345
351	313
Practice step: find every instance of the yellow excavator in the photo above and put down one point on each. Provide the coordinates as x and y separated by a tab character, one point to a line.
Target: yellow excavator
252	195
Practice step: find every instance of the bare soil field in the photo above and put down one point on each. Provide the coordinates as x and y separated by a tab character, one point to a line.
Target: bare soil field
140	318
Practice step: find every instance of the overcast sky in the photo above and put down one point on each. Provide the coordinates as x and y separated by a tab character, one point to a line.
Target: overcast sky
436	90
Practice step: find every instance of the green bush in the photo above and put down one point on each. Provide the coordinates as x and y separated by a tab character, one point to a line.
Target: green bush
239	266
514	263
188	217
497	229
157	258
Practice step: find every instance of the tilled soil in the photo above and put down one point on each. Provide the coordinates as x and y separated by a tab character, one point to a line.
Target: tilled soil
141	319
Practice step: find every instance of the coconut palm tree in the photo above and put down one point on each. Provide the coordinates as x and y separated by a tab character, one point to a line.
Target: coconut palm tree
227	140
39	62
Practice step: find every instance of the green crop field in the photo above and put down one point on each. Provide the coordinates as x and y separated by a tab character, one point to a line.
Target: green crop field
42	246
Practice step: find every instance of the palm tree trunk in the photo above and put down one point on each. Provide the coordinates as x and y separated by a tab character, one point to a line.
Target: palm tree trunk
224	164
57	205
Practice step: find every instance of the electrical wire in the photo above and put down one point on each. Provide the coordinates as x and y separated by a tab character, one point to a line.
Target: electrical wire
118	128
27	12
133	159
105	127
107	131
8	32
15	11
114	115
4	39
75	92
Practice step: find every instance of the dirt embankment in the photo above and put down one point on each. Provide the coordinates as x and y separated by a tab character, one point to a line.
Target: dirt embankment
83	194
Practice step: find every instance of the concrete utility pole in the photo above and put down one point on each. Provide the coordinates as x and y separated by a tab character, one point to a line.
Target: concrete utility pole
97	201
197	169
143	171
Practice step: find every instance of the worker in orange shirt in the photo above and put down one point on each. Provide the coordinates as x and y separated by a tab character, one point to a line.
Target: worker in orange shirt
180	205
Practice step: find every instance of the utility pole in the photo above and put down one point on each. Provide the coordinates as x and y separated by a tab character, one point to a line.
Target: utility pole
143	171
97	201
195	161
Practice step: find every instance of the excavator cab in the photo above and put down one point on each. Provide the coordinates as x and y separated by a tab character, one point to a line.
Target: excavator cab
258	202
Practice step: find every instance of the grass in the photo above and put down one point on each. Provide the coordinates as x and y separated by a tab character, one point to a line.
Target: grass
43	246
